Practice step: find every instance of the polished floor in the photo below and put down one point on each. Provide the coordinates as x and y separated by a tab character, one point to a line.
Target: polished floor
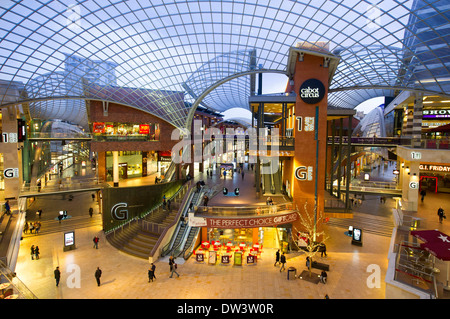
125	277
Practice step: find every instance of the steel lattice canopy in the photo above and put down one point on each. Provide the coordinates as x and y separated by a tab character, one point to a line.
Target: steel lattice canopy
165	56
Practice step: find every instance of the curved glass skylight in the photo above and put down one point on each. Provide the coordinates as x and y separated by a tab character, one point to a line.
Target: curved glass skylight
54	53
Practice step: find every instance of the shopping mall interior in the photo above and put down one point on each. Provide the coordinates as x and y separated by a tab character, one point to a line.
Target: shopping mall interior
226	137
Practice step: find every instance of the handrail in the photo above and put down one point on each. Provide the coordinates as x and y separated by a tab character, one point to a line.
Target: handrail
177	217
168	247
188	251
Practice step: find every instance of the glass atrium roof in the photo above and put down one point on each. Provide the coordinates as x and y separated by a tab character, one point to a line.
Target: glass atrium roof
55	56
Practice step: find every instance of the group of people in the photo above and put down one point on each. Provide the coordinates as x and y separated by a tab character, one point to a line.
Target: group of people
36	226
34	252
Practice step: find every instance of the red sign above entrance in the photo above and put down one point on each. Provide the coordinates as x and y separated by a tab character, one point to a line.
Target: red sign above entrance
251	222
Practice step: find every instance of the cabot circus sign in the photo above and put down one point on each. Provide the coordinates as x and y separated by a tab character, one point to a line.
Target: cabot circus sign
312	91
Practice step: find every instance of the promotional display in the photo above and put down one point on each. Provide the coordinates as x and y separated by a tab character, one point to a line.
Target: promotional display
199	257
69	240
212	257
225	259
238	258
251	259
357	236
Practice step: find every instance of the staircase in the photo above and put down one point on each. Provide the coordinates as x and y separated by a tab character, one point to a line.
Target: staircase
377	225
134	240
137	242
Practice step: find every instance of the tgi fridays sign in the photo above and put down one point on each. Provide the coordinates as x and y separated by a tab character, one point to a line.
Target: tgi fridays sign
434	168
252	222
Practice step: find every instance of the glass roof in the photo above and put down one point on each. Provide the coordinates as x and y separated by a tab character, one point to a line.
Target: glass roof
163	55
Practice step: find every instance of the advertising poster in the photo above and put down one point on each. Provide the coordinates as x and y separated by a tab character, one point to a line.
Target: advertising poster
251	259
225	259
69	238
212	257
200	258
238	258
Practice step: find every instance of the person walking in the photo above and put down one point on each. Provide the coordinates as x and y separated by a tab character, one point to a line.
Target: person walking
174	269
423	193
150	274
153	269
91	211
33	252
441	214
36	252
96	240
282	261
168	204
57	274
277	257
323	250
98	275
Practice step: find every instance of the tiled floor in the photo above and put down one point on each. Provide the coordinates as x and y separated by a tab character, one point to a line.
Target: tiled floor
351	274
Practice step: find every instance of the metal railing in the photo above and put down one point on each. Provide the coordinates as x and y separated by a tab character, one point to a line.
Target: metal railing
15	288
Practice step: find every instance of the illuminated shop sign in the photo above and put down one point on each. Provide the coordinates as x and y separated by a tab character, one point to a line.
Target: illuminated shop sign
119	211
434	168
435	114
312	91
144	129
251	222
304	173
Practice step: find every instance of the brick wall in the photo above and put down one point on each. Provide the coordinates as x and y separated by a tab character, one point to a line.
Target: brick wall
124	114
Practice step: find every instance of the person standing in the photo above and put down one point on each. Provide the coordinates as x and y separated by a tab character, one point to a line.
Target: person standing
91	211
277	257
323	250
57	274
33	252
282	261
441	215
36	252
98	275
7	208
96	240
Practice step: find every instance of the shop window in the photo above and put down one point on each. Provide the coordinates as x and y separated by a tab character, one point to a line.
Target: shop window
112	131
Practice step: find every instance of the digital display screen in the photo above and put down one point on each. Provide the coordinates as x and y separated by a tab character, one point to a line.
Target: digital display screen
69	238
357	233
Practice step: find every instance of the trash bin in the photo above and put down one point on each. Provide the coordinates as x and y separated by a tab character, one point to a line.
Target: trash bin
291	271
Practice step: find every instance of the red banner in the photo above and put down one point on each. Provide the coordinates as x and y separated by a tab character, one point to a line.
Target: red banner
251	222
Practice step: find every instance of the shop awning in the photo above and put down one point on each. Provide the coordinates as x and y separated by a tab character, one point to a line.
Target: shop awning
436	242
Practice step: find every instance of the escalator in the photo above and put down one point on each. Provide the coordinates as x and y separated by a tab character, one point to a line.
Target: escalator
170	174
272	181
184	235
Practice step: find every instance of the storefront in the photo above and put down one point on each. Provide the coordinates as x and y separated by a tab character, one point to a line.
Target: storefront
113	131
435	177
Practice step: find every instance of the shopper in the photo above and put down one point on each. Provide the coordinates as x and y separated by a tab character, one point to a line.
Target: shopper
423	193
323	250
57	274
282	261
153	269
441	214
91	211
97	275
168	204
36	252
277	257
33	252
150	274
323	277
174	269
7	208
96	240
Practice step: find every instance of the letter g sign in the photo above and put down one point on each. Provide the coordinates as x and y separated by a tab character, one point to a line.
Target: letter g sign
119	211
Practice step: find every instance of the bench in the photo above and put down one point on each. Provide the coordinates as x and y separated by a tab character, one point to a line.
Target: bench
320	266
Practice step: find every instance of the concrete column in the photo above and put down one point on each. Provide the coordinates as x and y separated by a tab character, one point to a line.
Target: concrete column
410	190
416	132
12	154
116	168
